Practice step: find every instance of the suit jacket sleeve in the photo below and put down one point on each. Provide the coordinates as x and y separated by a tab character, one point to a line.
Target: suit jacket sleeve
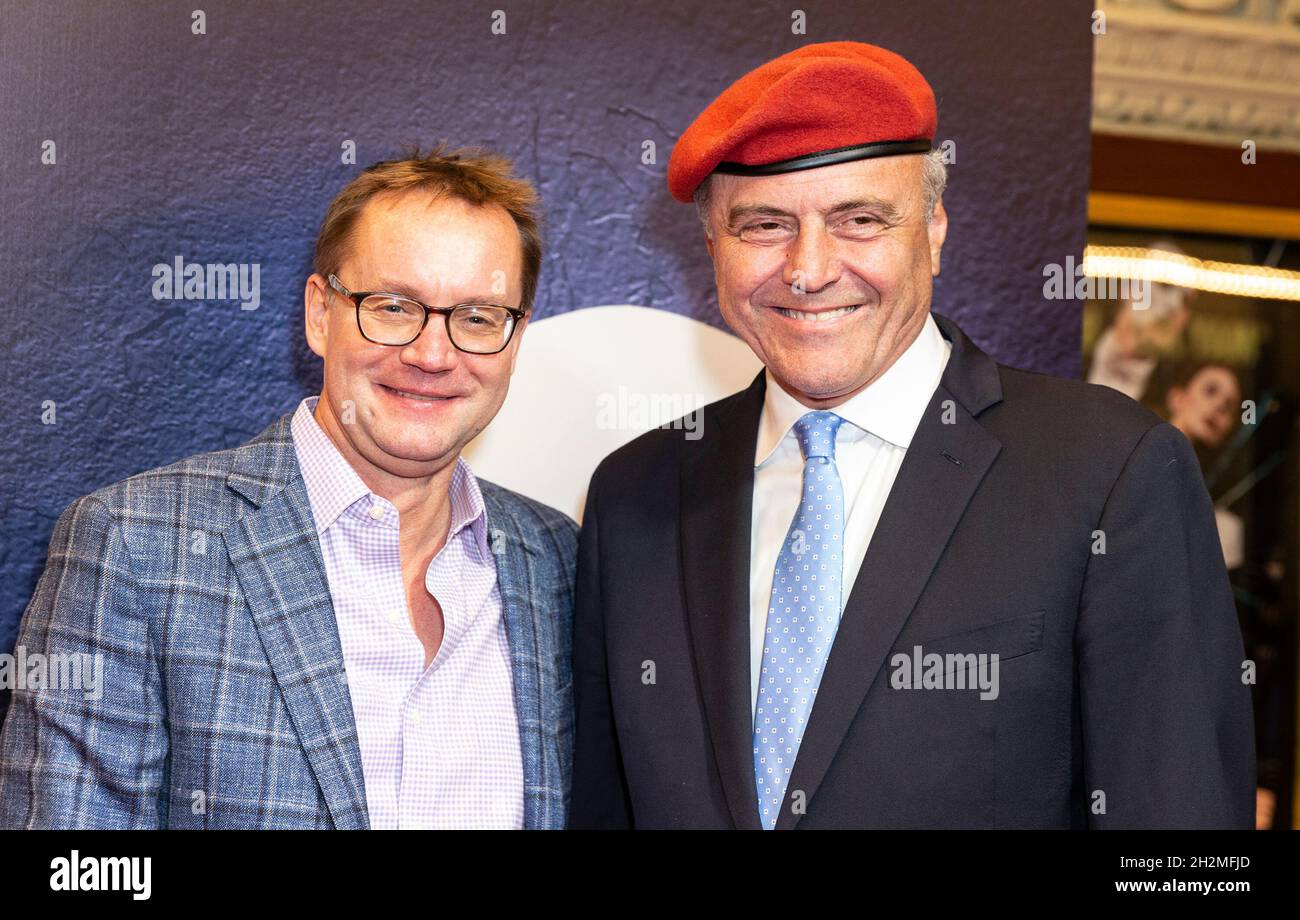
1167	728
599	788
86	757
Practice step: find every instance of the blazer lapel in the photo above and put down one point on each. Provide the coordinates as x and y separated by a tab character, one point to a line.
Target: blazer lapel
717	491
527	643
276	556
927	500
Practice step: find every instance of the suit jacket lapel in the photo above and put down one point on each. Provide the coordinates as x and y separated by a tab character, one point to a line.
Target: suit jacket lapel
717	491
527	644
276	557
927	500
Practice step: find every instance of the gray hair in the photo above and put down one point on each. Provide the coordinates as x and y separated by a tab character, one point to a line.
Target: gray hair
934	176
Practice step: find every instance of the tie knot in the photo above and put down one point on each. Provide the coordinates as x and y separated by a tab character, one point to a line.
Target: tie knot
816	434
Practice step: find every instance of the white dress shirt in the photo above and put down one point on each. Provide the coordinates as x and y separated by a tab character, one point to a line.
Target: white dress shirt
878	426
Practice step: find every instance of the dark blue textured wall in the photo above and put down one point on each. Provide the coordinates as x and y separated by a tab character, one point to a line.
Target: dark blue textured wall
226	148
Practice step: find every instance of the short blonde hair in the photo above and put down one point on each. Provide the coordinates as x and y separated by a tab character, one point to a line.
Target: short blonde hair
470	174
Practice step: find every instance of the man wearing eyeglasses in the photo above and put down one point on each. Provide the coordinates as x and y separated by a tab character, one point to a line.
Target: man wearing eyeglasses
335	625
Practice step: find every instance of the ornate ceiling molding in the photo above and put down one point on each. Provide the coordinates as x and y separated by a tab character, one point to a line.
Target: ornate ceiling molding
1202	71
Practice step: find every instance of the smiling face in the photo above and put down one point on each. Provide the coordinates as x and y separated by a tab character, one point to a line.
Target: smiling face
1206	408
826	273
408	411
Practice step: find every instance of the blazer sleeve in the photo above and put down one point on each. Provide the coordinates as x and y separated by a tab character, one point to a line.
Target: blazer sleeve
1168	737
600	797
88	756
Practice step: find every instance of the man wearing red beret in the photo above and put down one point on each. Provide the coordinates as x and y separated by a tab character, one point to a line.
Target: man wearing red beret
895	583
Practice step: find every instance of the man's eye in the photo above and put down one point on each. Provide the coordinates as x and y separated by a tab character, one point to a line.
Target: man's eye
862	220
763	229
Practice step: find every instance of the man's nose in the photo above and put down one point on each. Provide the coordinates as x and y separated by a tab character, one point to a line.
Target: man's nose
811	262
432	350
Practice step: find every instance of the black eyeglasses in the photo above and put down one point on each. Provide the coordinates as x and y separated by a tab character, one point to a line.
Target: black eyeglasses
393	319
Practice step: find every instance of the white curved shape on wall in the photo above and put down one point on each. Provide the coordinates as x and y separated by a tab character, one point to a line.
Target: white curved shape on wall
589	381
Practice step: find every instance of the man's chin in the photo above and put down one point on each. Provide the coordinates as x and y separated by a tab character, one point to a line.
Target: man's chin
405	449
814	383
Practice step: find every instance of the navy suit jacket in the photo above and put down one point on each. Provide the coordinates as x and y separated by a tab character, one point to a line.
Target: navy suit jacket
1121	700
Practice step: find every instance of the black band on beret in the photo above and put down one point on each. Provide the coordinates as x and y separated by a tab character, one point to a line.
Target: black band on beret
827	158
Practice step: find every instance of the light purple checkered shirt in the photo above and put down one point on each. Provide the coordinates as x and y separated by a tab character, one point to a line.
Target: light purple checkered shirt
439	746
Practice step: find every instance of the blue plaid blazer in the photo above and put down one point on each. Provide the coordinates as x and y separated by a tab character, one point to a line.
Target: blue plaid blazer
224	702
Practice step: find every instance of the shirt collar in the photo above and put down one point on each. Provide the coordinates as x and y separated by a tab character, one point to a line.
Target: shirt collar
467	508
889	408
333	486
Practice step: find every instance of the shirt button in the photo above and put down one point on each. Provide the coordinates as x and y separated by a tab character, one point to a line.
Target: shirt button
416	719
376	512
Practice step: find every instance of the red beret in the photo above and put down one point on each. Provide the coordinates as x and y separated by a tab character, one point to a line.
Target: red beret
822	104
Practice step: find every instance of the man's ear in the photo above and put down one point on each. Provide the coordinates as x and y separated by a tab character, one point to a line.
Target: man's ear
938	232
316	303
708	242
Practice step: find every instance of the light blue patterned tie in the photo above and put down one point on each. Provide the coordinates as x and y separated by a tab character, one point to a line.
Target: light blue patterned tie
803	615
